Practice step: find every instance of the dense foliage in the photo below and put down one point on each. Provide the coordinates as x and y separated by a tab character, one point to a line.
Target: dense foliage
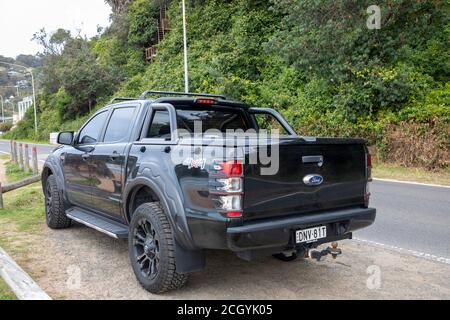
317	62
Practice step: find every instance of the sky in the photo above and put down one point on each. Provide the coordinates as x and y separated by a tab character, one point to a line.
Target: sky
20	19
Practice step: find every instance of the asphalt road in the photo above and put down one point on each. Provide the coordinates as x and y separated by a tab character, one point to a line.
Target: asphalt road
42	149
410	217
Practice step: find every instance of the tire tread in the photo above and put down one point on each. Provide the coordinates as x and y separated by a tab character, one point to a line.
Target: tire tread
58	218
171	279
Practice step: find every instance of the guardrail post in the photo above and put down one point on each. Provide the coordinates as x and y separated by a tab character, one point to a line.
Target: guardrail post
35	161
1	196
15	152
26	165
20	156
11	143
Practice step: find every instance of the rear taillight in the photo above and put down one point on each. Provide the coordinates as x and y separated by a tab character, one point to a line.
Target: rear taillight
367	193
231	168
369	166
228	187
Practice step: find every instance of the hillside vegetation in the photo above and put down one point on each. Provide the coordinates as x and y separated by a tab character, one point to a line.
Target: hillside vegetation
314	61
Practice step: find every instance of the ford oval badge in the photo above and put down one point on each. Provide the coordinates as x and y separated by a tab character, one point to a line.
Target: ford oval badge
313	180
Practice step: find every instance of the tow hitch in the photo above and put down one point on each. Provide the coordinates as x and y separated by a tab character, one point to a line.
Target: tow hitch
318	255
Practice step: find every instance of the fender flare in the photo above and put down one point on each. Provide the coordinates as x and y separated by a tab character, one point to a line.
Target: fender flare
171	202
189	258
56	171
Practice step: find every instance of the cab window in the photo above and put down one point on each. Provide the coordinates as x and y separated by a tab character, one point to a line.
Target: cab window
90	134
119	124
269	123
160	126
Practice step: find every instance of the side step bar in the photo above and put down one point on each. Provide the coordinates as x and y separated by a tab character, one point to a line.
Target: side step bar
102	224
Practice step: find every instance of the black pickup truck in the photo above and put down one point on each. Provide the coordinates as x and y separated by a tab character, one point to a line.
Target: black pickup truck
122	175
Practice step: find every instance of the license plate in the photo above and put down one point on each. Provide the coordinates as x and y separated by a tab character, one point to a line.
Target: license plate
311	235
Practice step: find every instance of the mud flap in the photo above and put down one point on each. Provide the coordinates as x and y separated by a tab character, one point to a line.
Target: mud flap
189	261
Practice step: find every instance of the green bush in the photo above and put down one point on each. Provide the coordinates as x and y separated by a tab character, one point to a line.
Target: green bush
5	126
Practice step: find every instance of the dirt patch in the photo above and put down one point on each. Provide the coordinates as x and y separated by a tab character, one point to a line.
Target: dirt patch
80	263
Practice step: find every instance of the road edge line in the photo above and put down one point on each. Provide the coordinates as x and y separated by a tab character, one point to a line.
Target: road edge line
23	286
417	254
412	182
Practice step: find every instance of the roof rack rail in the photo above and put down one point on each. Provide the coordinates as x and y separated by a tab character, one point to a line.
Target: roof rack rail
121	99
170	93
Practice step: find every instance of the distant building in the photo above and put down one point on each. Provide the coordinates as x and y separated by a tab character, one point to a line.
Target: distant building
15	74
23	107
22	84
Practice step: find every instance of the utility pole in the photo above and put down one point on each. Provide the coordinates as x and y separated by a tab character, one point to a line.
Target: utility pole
34	102
11	103
30	71
186	67
3	110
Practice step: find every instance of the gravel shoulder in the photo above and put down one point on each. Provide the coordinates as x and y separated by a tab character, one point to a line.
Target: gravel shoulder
80	263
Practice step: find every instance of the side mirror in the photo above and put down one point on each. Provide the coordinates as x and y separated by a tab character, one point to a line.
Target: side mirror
66	138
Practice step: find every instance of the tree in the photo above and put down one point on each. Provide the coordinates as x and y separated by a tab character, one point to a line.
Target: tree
367	69
82	77
53	44
143	18
331	38
119	6
29	60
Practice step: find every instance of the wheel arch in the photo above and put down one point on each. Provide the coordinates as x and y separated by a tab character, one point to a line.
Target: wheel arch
46	172
172	205
189	258
51	169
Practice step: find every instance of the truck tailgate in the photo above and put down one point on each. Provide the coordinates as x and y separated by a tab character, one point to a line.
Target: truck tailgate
285	193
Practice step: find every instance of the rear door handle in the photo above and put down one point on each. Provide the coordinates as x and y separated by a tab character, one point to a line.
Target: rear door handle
313	159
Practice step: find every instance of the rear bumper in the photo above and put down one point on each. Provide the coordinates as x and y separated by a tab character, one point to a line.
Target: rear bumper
278	234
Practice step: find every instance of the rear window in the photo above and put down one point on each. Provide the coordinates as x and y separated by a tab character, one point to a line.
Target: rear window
222	120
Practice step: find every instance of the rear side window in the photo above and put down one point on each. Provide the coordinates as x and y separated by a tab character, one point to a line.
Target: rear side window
269	123
91	132
119	124
160	126
221	120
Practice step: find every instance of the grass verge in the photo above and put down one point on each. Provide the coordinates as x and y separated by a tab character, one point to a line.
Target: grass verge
14	173
24	208
5	292
395	172
22	216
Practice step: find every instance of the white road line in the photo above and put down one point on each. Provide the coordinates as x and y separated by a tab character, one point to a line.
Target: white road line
413	183
417	254
19	281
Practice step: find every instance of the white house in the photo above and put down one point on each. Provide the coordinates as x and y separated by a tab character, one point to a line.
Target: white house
23	107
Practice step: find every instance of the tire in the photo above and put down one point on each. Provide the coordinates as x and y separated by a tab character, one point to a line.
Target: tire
152	250
283	257
55	214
